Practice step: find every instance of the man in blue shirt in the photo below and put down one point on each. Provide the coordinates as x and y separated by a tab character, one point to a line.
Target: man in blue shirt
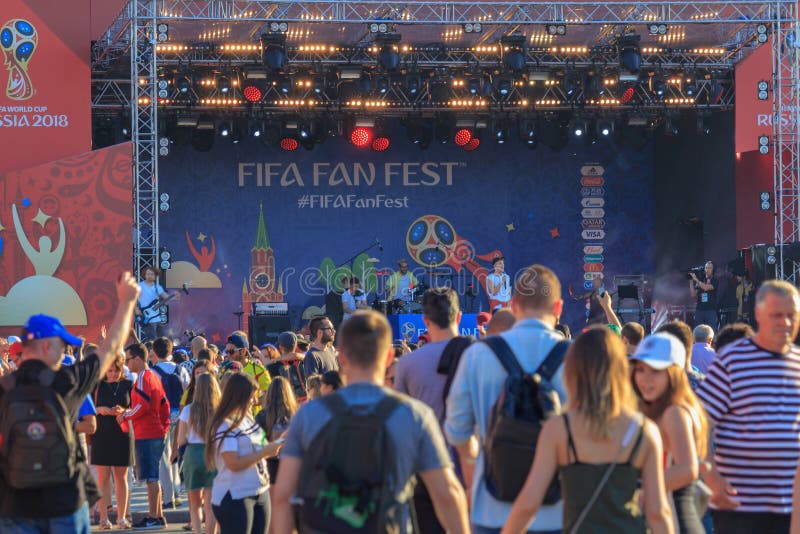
480	378
353	299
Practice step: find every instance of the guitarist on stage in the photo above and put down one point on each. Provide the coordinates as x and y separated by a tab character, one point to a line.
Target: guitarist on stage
148	309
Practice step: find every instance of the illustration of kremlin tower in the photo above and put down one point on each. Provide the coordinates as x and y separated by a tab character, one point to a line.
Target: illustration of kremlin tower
260	286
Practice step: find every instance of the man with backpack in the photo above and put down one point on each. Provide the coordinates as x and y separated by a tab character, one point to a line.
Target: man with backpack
350	457
175	379
45	483
505	385
425	374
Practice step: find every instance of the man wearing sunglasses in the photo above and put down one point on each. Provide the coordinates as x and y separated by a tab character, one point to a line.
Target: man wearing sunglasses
236	351
321	356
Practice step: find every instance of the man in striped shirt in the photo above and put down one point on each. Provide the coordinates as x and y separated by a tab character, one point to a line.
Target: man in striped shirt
752	395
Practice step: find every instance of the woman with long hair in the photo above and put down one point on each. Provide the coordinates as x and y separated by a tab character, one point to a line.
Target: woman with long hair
193	425
665	396
112	445
600	448
237	447
279	407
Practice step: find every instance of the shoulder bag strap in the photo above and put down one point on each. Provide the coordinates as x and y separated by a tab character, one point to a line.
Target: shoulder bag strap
625	441
505	355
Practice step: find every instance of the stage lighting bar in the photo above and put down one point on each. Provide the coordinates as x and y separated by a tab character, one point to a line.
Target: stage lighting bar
708	51
240	48
548	102
490	49
679	101
469	103
316	48
704	16
294	103
367	103
570	49
171	48
220	102
673	37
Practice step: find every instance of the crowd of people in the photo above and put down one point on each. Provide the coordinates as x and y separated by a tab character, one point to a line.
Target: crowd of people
522	430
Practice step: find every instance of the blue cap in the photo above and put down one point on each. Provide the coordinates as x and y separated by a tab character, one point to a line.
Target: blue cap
44	326
238	341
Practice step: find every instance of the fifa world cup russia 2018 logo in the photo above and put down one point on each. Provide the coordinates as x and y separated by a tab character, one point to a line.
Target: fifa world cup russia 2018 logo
18	40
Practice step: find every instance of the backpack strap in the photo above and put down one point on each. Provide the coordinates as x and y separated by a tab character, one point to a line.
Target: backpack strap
162	373
334	403
553	360
506	356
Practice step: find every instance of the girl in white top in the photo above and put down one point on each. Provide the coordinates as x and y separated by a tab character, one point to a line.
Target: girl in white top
236	446
498	285
193	425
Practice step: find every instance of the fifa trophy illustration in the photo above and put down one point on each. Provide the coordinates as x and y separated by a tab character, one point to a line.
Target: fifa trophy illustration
18	40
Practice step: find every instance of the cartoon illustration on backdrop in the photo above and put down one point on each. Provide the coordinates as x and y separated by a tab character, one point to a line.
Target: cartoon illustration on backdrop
432	242
200	276
42	292
262	285
18	39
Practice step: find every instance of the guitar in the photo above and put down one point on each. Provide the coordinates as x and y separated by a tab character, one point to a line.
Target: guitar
155	307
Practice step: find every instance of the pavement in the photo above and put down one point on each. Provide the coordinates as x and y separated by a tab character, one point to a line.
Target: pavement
175	518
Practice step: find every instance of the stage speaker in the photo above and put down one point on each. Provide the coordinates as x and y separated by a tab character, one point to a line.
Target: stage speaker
266	328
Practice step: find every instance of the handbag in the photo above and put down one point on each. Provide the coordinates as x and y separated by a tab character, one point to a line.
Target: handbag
602	484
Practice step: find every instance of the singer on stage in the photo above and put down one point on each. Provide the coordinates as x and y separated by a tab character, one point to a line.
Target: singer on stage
353	299
498	285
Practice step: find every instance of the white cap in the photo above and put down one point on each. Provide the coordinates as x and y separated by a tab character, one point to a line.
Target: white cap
13	339
661	350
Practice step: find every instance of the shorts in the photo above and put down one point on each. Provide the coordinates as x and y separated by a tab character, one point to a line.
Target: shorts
148	455
196	475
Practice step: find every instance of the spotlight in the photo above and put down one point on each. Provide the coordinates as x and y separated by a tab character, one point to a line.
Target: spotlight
627	94
763	89
256	129
605	127
655	28
763	144
578	131
162	32
473	144
378	27
379	144
278	27
669	127
413	83
273	50
527	133
445	123
513	51
472	27
592	87
630	56
382	84
223	84
361	136
252	92
761	33
184	84
504	85
690	86
765	198
462	136
658	85
319	84
500	133
473	85
289	144
556	29
224	129
388	55
163	87
419	132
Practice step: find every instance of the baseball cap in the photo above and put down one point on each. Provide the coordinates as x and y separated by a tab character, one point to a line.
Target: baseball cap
238	341
661	350
44	326
483	318
287	340
13	339
15	348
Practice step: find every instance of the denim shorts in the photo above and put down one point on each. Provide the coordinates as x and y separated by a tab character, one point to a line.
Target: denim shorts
148	455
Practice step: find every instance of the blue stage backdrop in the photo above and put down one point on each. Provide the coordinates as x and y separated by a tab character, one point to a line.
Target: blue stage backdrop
249	223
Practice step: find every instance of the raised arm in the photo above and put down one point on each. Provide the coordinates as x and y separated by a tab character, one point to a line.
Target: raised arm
127	293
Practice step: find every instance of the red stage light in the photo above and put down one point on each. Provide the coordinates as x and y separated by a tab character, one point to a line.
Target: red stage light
252	93
380	144
472	144
463	136
627	95
361	137
289	143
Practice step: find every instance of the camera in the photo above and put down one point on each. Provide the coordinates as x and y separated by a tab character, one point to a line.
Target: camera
699	272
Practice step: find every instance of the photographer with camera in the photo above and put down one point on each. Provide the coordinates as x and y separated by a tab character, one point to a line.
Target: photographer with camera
705	292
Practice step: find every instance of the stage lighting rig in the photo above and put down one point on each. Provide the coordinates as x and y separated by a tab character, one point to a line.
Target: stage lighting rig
278	26
763	89
556	28
761	33
763	145
513	50
472	27
378	27
273	50
630	55
388	51
656	28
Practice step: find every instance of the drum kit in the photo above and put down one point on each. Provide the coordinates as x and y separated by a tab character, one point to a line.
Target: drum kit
398	306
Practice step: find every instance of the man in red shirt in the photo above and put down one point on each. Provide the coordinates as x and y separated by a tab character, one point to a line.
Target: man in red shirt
149	415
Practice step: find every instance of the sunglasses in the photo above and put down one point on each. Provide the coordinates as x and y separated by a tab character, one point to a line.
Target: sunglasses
231	351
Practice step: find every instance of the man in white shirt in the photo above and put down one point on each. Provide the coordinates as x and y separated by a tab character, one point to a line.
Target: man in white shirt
353	299
147	309
498	285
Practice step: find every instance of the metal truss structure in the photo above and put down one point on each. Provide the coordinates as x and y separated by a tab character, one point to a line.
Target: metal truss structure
596	23
786	141
144	119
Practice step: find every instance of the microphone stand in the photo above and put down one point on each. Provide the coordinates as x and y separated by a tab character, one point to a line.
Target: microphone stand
349	261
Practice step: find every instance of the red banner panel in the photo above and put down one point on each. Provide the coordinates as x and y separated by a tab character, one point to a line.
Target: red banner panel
45	101
753	116
65	235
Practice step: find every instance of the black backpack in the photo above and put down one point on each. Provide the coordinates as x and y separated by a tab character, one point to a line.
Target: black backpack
37	437
449	360
173	387
516	419
346	479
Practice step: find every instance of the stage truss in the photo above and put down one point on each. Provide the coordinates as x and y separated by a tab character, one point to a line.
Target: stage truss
134	32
